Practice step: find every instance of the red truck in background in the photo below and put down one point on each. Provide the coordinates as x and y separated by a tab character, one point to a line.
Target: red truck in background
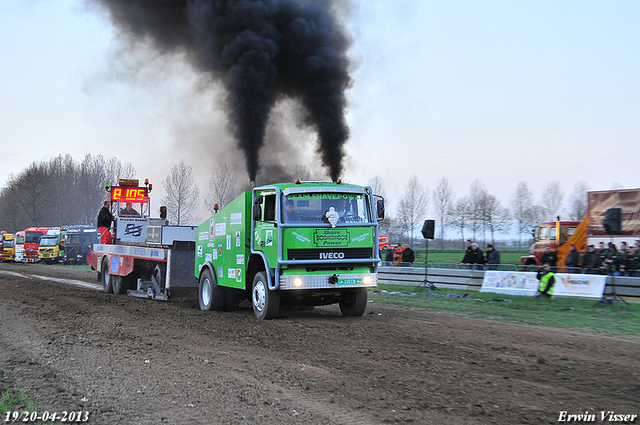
547	234
32	237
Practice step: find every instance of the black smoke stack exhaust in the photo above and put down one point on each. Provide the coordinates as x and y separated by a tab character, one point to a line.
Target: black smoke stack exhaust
252	183
262	51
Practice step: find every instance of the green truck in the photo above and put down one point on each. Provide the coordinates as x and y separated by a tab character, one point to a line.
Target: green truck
302	244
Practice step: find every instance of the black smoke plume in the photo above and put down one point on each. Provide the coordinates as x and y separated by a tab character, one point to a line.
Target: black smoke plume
261	50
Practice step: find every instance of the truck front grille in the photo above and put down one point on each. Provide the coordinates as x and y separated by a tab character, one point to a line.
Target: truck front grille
329	254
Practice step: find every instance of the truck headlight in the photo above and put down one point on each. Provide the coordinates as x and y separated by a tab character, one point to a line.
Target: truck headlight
366	280
297	282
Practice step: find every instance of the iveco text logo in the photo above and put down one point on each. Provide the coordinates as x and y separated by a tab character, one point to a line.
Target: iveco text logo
331	255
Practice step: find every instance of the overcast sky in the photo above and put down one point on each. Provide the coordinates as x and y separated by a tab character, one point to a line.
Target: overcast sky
499	91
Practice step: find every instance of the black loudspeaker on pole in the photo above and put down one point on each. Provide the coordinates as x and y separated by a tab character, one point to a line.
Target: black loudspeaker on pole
613	221
428	229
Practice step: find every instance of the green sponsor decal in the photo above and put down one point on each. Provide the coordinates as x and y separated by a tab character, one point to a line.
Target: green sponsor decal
350	281
331	237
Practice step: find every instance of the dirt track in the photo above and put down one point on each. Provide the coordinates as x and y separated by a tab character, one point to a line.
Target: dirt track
129	361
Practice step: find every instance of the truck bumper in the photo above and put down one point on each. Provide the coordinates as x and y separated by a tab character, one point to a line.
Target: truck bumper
328	281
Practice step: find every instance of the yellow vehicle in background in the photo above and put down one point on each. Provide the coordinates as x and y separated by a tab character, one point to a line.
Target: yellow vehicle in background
49	247
9	250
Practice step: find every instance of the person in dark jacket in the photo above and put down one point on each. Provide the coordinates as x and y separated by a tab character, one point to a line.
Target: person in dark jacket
466	260
493	257
477	257
388	258
104	223
590	260
550	257
573	259
408	256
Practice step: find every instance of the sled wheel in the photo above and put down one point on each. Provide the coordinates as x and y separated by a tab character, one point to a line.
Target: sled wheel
106	277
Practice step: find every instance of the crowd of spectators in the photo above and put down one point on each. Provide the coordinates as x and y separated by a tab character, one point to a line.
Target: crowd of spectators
608	260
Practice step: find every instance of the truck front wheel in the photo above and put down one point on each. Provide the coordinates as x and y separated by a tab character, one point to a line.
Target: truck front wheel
265	302
353	302
106	277
210	295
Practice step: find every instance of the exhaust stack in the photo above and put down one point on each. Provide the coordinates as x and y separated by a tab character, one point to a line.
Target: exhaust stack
252	183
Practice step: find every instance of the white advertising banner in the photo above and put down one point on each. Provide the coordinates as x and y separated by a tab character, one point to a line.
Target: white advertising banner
511	283
579	285
525	283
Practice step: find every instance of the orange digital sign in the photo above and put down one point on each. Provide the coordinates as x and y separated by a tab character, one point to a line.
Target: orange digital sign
129	194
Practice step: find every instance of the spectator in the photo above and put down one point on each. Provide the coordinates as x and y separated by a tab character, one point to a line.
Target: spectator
591	260
633	261
573	259
104	223
602	253
547	281
466	260
550	257
477	257
408	256
397	255
493	257
388	258
611	259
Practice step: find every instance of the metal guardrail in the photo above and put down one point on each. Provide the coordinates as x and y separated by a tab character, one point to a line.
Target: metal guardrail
454	266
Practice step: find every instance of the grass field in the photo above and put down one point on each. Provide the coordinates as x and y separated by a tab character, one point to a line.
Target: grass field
585	315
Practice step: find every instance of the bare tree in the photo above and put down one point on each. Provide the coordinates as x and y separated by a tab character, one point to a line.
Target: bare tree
30	192
443	199
91	181
521	206
222	188
377	185
477	199
578	201
552	199
182	194
496	218
413	206
460	216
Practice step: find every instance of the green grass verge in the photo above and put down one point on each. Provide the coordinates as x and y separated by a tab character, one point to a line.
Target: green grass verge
580	314
16	400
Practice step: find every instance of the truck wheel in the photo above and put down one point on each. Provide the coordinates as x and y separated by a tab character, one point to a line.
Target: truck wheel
106	277
160	275
117	284
265	302
210	295
353	302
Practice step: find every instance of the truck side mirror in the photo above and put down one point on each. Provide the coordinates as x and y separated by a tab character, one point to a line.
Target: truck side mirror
163	211
380	209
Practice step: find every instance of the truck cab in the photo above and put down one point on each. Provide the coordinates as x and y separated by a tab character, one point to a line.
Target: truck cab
8	249
77	241
546	234
303	244
49	246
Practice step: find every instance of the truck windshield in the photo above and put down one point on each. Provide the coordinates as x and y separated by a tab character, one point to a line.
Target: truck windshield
8	244
32	237
48	241
310	207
